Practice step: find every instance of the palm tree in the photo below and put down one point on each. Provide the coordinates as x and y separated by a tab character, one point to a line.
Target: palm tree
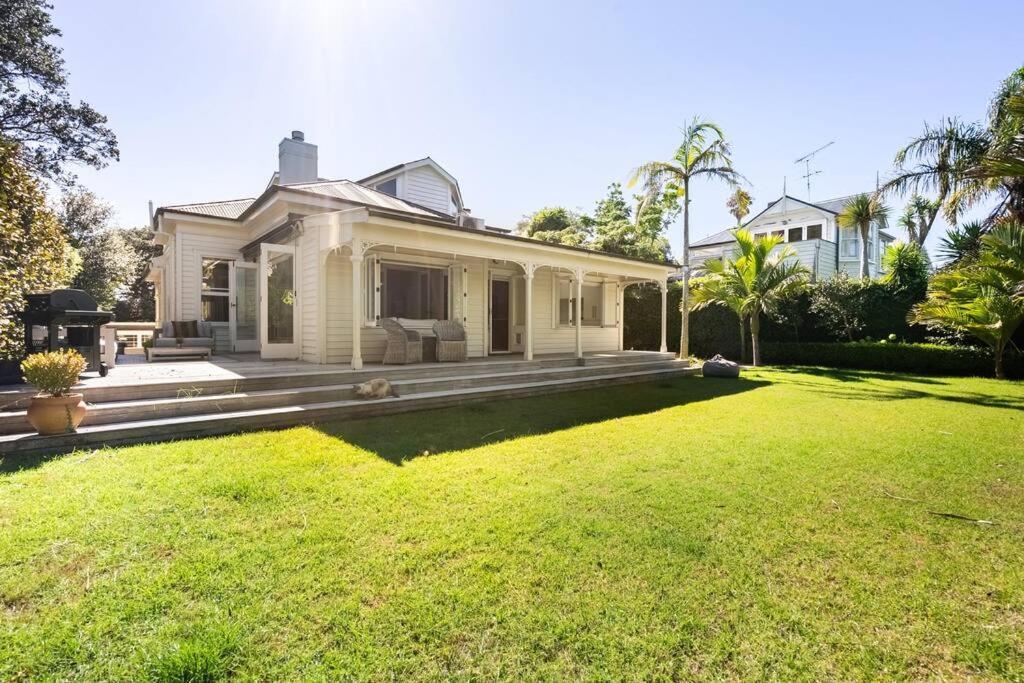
760	278
719	286
984	298
861	212
937	161
739	205
962	243
906	267
704	153
908	221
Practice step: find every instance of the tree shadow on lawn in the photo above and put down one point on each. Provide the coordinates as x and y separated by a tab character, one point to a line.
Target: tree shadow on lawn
875	392
402	437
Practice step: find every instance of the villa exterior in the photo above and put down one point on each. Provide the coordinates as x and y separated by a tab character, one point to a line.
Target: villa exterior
811	230
307	269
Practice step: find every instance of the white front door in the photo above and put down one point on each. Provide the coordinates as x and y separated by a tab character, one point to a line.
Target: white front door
244	307
279	310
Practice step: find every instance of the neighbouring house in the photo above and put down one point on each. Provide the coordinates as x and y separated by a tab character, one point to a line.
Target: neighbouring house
308	269
810	228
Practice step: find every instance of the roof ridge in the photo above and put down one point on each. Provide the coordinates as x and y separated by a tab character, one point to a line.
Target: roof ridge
218	201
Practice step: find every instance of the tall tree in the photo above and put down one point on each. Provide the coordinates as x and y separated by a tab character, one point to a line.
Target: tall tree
34	252
136	300
703	153
36	110
908	221
739	204
109	266
936	162
558	225
861	213
965	163
638	232
83	214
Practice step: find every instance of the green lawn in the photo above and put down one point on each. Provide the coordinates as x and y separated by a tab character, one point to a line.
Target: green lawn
772	527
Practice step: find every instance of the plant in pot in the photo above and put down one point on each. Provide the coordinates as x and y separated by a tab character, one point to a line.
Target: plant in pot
55	410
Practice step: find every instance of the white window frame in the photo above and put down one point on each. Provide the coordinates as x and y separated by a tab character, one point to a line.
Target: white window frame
225	293
398	186
855	240
373	312
557	279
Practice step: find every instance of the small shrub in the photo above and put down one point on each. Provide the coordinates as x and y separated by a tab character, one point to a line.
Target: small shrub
53	372
924	359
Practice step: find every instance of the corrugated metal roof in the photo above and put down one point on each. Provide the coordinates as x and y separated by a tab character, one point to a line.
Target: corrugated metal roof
339	189
231	208
353	192
835	205
720	237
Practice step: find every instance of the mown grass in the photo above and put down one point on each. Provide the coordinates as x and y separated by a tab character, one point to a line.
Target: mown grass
775	527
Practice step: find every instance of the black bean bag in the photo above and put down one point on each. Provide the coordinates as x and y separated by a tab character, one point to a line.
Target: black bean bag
720	367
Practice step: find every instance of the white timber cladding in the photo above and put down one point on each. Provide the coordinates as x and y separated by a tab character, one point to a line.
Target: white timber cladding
426	187
324	284
469	259
194	243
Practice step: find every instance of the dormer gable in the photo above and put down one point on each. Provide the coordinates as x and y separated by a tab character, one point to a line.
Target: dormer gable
422	182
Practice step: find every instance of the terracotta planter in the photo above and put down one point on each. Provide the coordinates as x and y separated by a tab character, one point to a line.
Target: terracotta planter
56	414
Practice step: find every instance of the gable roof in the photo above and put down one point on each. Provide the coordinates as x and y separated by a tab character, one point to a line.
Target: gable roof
720	237
346	190
409	165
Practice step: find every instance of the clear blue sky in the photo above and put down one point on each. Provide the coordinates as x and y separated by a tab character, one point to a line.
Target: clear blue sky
527	104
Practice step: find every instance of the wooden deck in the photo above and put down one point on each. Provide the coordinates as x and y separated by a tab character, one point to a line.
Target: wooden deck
249	365
140	402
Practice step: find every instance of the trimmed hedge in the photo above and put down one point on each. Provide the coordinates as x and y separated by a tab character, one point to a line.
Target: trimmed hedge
924	359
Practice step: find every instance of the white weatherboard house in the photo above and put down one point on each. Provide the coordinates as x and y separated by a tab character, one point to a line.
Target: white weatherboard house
810	228
307	269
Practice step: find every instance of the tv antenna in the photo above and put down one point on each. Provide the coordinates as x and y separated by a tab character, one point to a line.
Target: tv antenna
806	161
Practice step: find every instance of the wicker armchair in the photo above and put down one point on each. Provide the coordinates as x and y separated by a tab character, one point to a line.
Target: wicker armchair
451	340
404	346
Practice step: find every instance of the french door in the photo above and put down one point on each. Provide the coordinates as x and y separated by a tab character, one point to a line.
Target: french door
500	319
245	307
279	310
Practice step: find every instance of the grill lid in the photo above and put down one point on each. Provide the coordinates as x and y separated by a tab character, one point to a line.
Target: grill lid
61	300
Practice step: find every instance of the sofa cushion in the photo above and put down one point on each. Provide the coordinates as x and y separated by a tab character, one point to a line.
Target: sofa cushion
165	343
186	328
197	342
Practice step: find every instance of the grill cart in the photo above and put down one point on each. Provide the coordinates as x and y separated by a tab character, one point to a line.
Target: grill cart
65	319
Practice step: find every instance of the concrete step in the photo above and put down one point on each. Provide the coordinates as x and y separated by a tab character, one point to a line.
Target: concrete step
16	398
190	426
110	412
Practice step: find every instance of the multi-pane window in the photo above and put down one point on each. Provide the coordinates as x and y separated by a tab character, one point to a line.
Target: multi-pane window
849	243
814	232
591	304
795	235
214	300
407	291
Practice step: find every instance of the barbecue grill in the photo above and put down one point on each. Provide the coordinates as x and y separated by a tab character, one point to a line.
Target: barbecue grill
65	319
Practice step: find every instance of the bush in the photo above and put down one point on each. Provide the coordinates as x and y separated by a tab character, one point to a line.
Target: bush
53	372
924	359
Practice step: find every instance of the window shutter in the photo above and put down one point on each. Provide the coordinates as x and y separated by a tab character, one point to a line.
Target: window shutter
609	312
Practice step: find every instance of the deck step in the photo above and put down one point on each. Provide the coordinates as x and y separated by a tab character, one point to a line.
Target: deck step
16	398
109	412
190	426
